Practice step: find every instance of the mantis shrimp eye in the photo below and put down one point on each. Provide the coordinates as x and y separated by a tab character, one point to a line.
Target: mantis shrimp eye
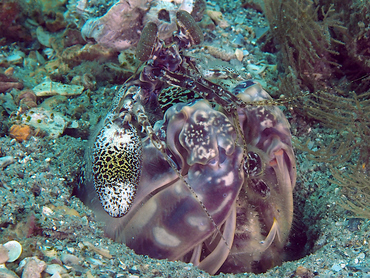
253	165
190	27
147	41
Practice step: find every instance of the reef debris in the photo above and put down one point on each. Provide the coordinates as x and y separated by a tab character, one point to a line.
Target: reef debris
51	88
120	27
8	82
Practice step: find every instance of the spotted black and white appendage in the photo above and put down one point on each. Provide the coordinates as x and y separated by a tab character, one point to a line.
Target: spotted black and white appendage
116	167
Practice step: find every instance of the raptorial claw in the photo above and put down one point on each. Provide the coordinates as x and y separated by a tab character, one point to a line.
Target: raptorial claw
117	167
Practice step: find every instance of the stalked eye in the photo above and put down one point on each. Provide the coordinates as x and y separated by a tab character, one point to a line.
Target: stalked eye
260	187
147	41
253	165
190	27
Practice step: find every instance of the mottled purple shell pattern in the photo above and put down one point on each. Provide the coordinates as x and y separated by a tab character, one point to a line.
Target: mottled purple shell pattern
231	208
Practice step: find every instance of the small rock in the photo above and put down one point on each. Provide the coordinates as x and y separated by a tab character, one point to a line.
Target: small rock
53	123
47	211
20	132
78	270
6	160
303	272
94	261
336	267
89	275
4	257
239	54
33	267
218	18
16	57
69	259
56	275
134	270
6	273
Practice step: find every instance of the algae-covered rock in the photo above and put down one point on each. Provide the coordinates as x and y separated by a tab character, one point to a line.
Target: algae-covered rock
53	123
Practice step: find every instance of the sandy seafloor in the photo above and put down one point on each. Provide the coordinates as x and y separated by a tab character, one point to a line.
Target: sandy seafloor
38	208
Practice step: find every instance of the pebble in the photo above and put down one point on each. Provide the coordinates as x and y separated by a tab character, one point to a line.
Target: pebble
134	270
32	267
79	270
16	57
6	160
69	259
89	275
55	268
47	211
6	273
302	272
336	267
56	275
361	256
53	123
94	261
4	257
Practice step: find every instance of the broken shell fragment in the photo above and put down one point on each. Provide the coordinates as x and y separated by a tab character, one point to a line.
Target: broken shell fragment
50	88
14	250
256	69
43	36
101	251
239	54
218	18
